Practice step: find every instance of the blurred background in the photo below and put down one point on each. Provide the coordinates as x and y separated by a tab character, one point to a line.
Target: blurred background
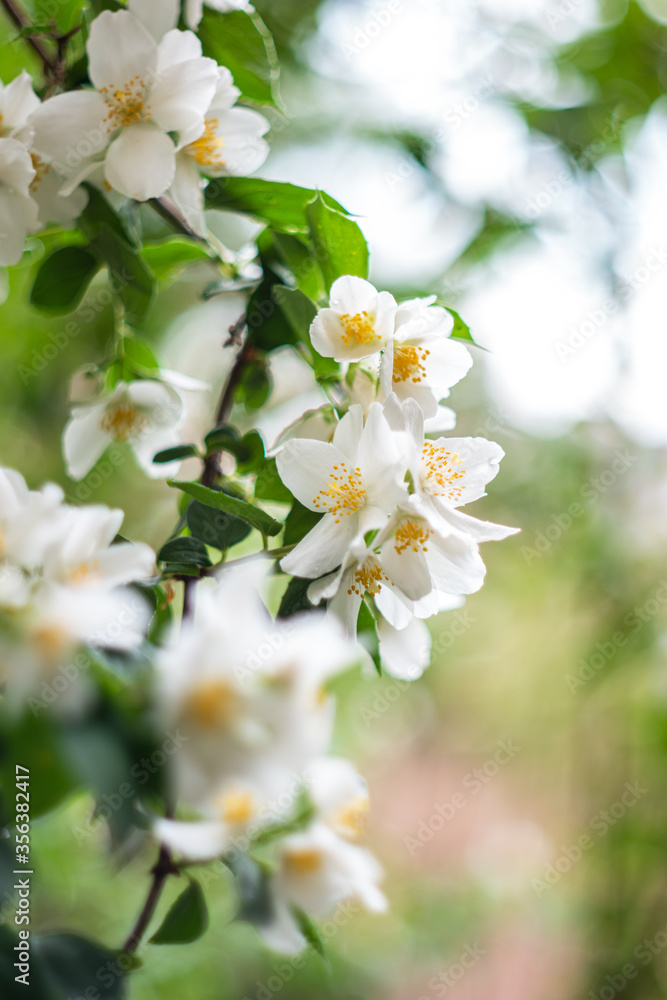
510	155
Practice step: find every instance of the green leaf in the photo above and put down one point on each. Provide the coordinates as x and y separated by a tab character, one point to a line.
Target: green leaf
63	278
269	485
301	261
178	451
167	258
98	214
186	920
368	635
311	932
461	329
231	505
130	277
215	527
300	521
185	550
339	243
71	966
139	356
248	450
33	741
254	386
243	44
281	205
295	599
298	310
304	815
254	891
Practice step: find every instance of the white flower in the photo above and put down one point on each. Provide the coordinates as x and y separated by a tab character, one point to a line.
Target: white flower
230	145
194	9
248	693
30	520
358	322
317	870
145	413
356	481
18	211
421	361
17	102
448	472
145	91
83	555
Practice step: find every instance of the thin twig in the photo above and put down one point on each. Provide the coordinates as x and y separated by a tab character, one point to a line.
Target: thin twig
163	868
245	354
22	22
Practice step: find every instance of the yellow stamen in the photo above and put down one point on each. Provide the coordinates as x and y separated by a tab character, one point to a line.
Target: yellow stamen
236	807
86	572
411	535
442	472
369	578
359	329
303	861
126	104
41	170
212	704
123	421
345	494
206	149
351	819
408	363
51	640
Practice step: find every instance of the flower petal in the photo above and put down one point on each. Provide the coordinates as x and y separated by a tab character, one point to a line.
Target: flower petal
196	841
69	129
141	162
186	192
158	16
405	653
120	49
84	440
18	101
175	47
182	95
305	466
323	548
18	216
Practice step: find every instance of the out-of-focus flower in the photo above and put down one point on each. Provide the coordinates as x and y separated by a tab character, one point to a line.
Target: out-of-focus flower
18	211
145	414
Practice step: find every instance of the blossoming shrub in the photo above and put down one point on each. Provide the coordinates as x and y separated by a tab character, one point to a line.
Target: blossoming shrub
291	560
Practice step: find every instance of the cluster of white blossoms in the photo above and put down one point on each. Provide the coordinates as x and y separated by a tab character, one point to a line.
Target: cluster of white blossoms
391	530
63	583
249	694
159	119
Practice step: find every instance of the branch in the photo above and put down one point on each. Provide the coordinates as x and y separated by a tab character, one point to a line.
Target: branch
212	462
170	214
163	868
18	17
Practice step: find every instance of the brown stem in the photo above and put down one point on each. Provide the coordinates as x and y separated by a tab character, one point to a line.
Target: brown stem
17	16
163	868
245	354
170	214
